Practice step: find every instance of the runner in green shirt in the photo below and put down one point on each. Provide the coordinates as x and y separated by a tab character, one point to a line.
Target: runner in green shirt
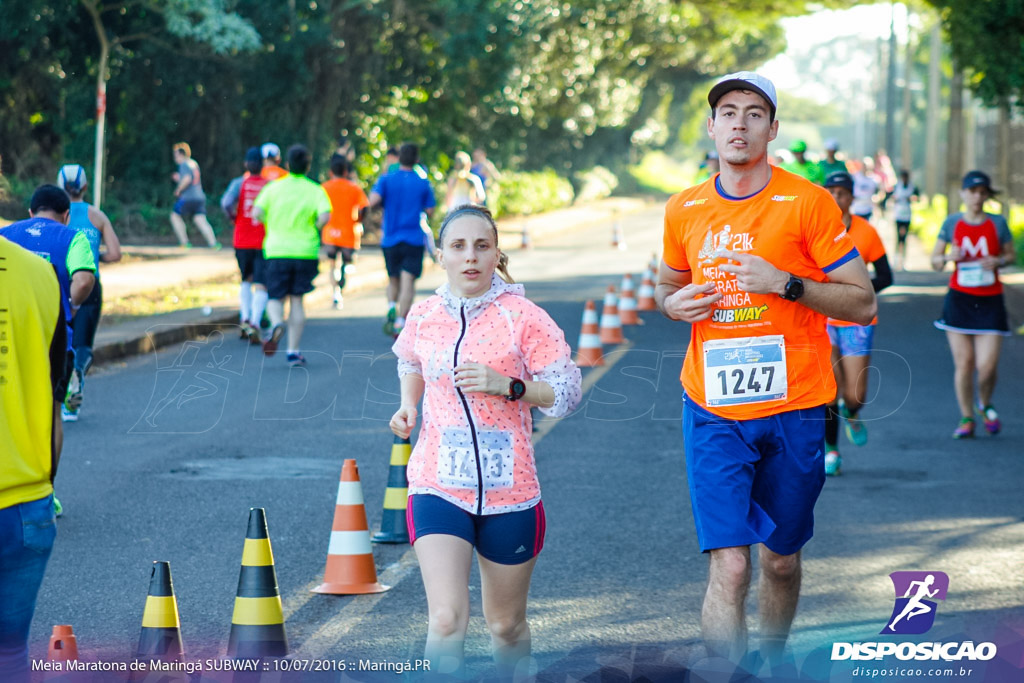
830	164
293	209
801	165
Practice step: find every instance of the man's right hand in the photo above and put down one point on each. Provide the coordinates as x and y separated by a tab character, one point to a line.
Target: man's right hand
691	303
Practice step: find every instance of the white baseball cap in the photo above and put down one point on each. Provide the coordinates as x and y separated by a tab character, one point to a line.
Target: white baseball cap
71	178
744	80
831	145
269	149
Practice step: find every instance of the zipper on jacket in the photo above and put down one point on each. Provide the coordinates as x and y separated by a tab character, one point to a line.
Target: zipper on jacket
469	418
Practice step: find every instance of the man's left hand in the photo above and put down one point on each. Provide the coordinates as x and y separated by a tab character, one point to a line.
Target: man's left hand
754	274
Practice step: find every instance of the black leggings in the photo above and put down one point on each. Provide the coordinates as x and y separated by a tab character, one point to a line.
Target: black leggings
84	325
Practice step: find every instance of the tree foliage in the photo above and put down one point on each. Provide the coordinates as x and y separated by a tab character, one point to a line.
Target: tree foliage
987	39
539	83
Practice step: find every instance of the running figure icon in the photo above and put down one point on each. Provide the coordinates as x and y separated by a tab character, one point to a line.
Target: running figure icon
915	607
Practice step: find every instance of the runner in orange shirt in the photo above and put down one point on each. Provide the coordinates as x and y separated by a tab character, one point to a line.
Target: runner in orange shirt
757	374
851	343
341	236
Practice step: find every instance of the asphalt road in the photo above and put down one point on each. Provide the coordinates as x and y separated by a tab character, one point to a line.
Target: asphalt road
173	449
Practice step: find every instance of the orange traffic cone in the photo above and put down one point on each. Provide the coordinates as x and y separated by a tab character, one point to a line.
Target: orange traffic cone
589	353
350	569
645	298
63	646
611	327
618	241
627	302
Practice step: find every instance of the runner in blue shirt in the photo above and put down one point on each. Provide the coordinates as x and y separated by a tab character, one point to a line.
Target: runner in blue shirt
405	195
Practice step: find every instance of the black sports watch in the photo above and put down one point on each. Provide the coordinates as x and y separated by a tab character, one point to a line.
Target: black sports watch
516	389
794	288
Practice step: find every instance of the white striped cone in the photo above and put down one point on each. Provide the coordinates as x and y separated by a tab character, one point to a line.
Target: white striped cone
589	353
627	302
618	241
350	567
611	326
645	296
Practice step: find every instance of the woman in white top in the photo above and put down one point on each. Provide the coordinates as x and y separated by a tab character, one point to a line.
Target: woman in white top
464	186
904	192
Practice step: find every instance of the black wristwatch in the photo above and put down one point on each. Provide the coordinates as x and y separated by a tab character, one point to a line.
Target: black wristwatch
794	288
516	389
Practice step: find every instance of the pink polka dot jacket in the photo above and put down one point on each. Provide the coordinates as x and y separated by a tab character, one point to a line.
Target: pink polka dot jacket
474	449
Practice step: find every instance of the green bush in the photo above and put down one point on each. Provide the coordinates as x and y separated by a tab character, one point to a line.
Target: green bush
593	184
527	193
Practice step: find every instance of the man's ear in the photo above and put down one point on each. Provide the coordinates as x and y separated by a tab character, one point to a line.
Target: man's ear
65	216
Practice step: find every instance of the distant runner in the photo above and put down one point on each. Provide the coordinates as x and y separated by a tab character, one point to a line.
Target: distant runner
974	312
342	236
293	209
237	202
98	230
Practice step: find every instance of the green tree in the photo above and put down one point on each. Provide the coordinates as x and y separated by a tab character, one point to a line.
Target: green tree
118	23
986	41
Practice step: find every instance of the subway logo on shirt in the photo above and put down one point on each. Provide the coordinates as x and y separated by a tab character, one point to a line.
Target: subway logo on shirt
794	225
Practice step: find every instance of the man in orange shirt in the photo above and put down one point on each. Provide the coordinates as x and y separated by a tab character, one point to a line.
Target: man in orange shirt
851	343
755	258
341	236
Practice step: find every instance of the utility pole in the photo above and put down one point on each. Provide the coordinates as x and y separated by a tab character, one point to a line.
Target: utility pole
931	136
955	155
1003	155
890	86
906	153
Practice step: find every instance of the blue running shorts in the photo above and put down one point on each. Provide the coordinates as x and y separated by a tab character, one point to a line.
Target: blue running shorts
754	481
506	538
852	340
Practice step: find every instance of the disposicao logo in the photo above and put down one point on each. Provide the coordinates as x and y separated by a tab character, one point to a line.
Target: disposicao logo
916	593
912	614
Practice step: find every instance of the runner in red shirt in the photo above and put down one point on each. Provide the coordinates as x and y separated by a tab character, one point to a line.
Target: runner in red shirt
755	259
248	243
974	313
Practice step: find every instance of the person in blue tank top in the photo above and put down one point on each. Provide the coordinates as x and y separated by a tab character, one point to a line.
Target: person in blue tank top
94	224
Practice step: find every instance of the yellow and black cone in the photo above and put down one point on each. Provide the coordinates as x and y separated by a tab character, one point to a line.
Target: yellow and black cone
257	625
161	629
393	525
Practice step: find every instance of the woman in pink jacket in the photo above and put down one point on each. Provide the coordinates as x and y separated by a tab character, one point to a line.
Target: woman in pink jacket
478	354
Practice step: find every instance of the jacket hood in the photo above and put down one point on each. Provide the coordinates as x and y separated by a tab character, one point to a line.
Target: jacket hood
498	287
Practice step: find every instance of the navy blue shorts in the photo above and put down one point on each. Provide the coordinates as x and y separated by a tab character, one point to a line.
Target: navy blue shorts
251	264
971	314
404	256
507	538
190	207
754	481
289	276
